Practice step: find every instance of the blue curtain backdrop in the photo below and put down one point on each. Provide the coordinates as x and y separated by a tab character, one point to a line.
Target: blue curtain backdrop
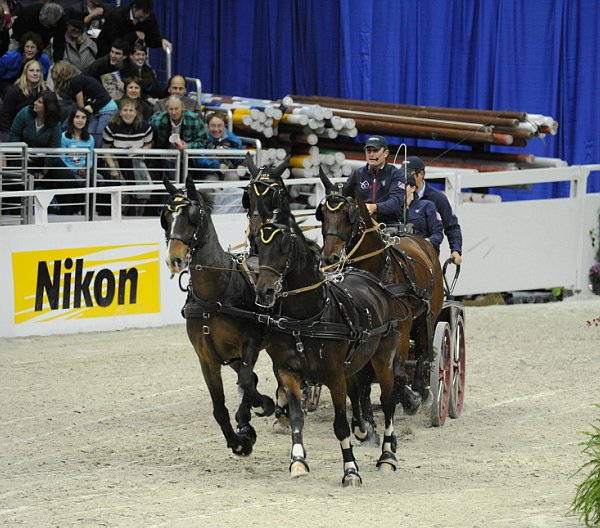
536	56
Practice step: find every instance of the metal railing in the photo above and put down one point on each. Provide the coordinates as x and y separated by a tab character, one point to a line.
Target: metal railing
110	183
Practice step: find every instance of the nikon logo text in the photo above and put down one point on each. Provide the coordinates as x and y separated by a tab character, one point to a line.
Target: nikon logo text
80	286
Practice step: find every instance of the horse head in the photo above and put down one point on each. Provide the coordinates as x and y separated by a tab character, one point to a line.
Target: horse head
275	243
182	219
266	186
340	219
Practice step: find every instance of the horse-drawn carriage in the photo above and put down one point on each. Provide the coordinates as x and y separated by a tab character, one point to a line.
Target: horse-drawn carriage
395	322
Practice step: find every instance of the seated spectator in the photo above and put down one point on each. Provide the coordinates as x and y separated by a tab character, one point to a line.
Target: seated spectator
220	137
133	22
86	92
49	21
107	69
26	89
177	86
133	90
128	130
135	66
77	135
9	9
11	63
180	129
80	50
38	125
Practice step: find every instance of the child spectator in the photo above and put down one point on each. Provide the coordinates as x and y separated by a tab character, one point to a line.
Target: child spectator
77	135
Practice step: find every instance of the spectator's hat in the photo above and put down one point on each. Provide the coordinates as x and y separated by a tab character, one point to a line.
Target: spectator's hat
76	19
410	180
414	164
376	142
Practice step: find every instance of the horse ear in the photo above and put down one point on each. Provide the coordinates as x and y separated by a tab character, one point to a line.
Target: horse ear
278	171
361	205
251	166
245	199
190	188
349	187
319	213
169	186
329	187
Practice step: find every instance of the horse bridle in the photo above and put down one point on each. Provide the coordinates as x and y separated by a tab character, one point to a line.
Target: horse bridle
357	224
266	240
196	217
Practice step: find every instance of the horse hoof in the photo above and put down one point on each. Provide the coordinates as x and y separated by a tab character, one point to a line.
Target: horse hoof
384	467
298	469
351	479
411	403
268	406
242	450
387	462
247	436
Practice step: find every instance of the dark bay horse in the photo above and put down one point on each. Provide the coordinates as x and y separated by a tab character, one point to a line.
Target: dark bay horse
324	332
267	187
408	264
220	311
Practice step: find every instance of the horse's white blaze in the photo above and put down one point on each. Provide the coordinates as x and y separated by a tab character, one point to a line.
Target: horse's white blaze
173	268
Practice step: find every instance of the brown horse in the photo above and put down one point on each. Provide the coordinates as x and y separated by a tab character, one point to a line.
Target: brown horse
325	335
220	311
408	264
267	187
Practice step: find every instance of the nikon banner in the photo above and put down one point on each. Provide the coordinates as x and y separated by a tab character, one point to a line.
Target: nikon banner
86	282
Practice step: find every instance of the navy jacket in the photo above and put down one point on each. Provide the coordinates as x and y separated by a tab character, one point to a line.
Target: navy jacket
386	189
449	219
426	221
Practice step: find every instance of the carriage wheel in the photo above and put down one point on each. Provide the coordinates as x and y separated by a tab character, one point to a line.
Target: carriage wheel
440	375
457	391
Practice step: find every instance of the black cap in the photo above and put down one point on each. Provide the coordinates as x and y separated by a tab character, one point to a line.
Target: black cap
414	163
76	19
376	142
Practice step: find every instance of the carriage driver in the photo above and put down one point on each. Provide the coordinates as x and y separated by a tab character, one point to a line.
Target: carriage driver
380	183
452	230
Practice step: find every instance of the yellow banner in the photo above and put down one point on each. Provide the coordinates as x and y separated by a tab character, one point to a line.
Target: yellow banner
88	282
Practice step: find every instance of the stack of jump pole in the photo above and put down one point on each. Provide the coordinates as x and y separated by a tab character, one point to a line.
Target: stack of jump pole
318	131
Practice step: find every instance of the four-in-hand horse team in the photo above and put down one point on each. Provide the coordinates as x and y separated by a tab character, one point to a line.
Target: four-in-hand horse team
368	307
